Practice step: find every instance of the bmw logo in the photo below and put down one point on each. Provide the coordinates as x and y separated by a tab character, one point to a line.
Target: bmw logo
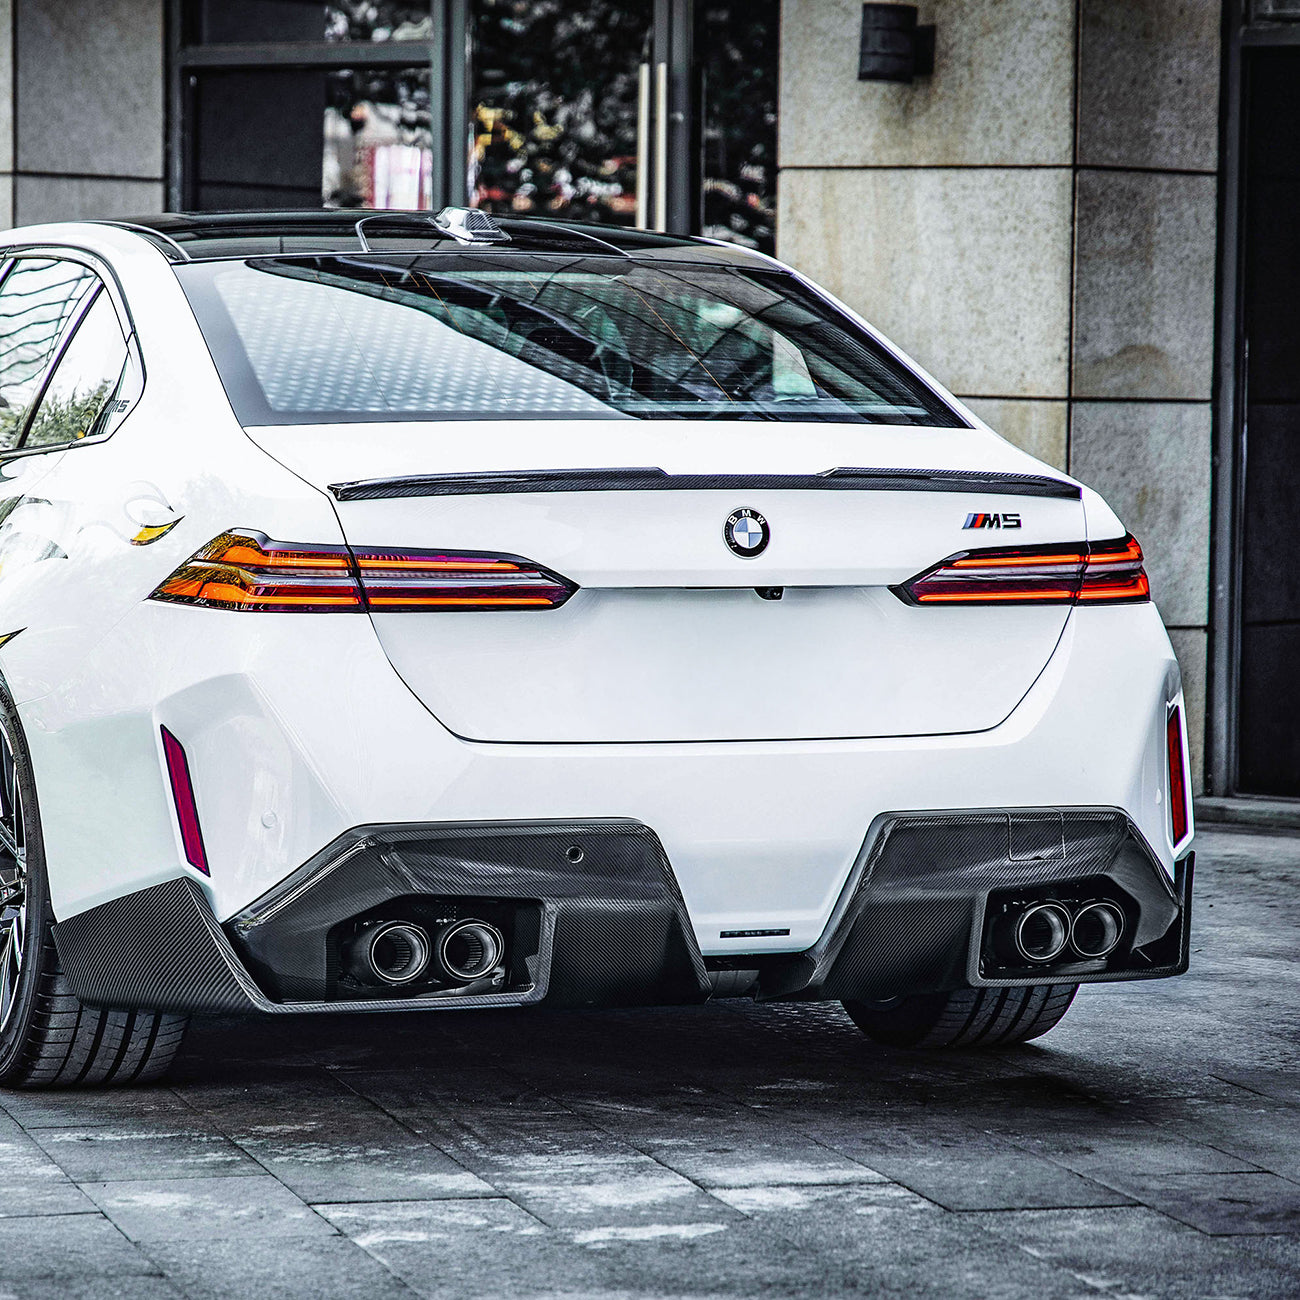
746	533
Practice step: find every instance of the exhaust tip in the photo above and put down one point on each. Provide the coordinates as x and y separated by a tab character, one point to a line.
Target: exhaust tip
469	949
394	953
1097	929
1042	932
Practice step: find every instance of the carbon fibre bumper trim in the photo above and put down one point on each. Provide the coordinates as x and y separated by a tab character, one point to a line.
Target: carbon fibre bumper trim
911	917
612	927
601	923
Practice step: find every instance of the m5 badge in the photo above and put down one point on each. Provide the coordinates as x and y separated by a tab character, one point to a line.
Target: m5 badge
992	521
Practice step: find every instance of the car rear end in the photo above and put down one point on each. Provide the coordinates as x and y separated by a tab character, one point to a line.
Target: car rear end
657	633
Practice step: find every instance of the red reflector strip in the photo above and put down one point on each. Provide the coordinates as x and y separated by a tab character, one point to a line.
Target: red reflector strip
1178	824
1101	573
242	570
187	813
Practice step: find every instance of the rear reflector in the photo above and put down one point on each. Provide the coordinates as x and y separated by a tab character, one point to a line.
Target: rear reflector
187	813
1074	573
245	570
1177	776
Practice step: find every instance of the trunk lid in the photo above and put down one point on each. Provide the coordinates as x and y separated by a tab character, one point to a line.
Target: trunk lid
667	638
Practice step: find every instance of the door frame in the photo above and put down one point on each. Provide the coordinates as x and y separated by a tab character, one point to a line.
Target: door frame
1240	36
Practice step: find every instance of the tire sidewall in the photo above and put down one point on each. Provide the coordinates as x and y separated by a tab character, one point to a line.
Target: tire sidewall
16	1037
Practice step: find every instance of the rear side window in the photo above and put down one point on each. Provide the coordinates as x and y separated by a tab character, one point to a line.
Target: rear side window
542	336
85	394
39	298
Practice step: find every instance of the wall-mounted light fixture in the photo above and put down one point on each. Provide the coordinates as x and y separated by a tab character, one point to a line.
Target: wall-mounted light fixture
894	47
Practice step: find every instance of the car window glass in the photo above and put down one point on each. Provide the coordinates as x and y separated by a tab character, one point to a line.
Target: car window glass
540	336
82	397
37	300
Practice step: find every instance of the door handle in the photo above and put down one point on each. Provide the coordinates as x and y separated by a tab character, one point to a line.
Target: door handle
661	147
643	147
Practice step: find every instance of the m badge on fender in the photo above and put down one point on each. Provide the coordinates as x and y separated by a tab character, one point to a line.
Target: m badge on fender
746	533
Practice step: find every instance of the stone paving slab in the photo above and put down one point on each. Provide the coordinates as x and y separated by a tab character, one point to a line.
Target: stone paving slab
1226	1204
133	1287
357	1157
459	1250
276	1268
893	1246
1149	1146
1140	1252
199	1209
33	1184
115	1152
81	1246
82	1108
1252	1129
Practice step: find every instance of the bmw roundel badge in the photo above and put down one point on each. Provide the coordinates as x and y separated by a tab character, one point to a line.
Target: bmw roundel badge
746	533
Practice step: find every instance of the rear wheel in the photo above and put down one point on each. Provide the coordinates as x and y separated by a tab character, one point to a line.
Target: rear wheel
966	1017
48	1038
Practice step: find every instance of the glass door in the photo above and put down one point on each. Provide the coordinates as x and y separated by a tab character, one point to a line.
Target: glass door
308	104
562	98
652	113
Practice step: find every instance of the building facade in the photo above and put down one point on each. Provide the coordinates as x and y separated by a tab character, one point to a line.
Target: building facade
1080	220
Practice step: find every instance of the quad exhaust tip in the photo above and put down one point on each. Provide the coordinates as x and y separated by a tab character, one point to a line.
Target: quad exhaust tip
467	950
397	953
1096	929
1042	932
392	953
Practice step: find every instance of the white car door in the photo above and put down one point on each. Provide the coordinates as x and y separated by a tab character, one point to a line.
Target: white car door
72	497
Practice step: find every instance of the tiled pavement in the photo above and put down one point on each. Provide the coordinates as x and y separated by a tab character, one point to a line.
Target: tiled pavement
1148	1147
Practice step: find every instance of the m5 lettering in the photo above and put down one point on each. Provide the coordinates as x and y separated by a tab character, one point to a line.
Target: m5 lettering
992	521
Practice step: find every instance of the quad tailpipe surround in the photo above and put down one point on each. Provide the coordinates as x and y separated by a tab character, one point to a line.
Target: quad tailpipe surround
536	615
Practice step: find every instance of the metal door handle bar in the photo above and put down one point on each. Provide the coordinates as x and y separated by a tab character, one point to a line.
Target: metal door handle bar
661	147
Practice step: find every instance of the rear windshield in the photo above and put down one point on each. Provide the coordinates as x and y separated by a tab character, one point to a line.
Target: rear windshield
347	337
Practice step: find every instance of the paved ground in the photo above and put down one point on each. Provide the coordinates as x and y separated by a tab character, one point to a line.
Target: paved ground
1149	1147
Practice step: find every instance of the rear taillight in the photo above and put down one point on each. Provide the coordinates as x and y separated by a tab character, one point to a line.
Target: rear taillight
1074	573
396	580
245	570
1178	823
240	570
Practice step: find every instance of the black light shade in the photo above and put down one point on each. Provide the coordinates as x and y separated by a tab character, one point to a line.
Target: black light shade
894	47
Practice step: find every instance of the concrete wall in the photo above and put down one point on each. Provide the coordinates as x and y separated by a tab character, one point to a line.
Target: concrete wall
81	109
1036	224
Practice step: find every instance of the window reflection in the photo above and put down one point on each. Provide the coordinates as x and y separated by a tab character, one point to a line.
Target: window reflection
737	44
554	106
336	338
223	22
37	299
303	137
378	141
77	402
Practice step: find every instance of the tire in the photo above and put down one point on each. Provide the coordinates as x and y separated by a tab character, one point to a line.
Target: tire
966	1017
48	1038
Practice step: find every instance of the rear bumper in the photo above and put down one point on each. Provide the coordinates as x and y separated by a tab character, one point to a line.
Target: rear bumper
290	746
593	917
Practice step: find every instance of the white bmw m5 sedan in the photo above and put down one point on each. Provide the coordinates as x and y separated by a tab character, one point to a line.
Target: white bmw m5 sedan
416	612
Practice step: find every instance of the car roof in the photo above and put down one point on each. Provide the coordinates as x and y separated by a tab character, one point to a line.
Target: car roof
205	236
